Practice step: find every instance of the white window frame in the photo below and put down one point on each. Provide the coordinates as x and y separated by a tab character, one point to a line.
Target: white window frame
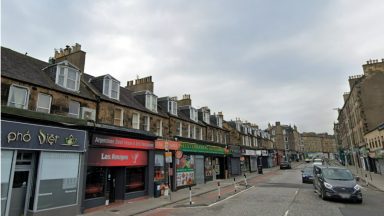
147	123
44	108
74	115
180	129
189	131
172	107
26	98
201	133
194	132
219	121
151	101
206	117
121	116
112	83
193	114
66	77
136	125
159	131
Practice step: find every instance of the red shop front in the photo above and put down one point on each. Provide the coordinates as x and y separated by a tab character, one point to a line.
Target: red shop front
116	174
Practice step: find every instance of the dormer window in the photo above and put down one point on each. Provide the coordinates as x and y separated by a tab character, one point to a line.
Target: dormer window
111	88
172	107
68	77
151	101
206	118
219	121
193	114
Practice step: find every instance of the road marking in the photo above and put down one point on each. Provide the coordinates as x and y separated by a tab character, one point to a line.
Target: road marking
229	197
296	192
286	213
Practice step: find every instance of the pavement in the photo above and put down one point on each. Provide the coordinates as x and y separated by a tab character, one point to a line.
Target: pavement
368	178
202	194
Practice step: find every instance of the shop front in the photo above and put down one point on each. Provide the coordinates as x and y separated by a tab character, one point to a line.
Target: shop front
41	169
251	160
118	168
234	160
164	164
197	163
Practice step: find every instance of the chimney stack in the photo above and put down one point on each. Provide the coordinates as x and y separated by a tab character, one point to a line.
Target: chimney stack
143	84
186	101
73	54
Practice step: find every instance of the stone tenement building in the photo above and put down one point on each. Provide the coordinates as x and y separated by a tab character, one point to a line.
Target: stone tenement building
314	143
362	111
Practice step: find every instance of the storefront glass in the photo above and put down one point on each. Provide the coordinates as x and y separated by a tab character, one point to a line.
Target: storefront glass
159	167
58	179
208	167
6	164
135	179
96	179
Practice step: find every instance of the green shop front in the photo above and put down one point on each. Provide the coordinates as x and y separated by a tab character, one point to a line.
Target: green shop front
198	163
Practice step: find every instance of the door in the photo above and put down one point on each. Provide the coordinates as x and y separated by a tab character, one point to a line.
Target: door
19	193
111	185
199	161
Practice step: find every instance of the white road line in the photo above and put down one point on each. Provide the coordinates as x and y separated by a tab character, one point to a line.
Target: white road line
296	192
229	197
286	213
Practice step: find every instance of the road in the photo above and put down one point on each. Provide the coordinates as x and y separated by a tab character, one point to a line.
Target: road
281	193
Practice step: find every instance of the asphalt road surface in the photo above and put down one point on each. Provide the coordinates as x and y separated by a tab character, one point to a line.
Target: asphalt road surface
282	193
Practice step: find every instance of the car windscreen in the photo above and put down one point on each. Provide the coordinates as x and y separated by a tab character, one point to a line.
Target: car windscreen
337	174
308	170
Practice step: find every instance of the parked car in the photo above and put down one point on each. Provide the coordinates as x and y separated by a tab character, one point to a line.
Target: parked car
336	182
307	160
285	165
318	161
307	174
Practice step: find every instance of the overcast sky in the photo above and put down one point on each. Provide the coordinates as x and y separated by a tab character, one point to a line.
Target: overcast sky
260	61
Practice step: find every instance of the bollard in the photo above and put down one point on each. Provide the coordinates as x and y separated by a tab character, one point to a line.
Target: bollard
366	179
190	195
245	180
234	183
218	188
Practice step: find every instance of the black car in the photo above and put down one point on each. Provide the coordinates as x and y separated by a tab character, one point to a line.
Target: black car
336	182
307	174
285	165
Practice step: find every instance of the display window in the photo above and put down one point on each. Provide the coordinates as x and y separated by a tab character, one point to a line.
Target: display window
208	167
95	183
6	164
135	179
159	167
59	176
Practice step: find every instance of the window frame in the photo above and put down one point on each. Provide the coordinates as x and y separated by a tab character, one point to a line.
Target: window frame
160	128
121	116
180	129
65	76
172	107
26	98
111	84
147	122
73	115
151	101
37	102
138	120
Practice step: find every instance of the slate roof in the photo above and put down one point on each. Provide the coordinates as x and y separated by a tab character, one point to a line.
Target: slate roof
27	69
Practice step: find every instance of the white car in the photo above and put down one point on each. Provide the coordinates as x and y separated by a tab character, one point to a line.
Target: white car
317	161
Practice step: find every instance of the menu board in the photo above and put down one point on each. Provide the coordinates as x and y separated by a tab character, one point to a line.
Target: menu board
185	170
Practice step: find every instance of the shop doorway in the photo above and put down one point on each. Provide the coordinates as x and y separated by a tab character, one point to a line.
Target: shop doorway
21	184
111	185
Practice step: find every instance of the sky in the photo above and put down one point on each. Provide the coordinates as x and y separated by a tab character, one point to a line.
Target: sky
260	61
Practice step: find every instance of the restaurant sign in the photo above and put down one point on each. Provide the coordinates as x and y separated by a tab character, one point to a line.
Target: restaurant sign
122	142
116	157
17	135
198	148
167	145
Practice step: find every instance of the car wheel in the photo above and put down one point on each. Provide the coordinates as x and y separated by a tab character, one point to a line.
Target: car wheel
359	201
323	195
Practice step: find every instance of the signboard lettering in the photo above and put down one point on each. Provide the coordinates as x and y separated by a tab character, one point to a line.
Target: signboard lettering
123	142
116	157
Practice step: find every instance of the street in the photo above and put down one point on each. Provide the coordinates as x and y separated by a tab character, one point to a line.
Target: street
282	193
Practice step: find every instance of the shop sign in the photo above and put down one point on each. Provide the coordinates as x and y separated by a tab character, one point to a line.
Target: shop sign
122	142
116	157
198	148
380	153
185	174
179	154
17	135
167	145
258	152
249	152
264	153
168	157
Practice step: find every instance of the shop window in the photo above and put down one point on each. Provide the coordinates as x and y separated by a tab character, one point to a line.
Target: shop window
159	167
58	180
6	163
95	182
135	179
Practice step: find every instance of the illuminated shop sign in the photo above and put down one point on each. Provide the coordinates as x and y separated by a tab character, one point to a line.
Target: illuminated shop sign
122	142
167	145
198	148
116	157
17	135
